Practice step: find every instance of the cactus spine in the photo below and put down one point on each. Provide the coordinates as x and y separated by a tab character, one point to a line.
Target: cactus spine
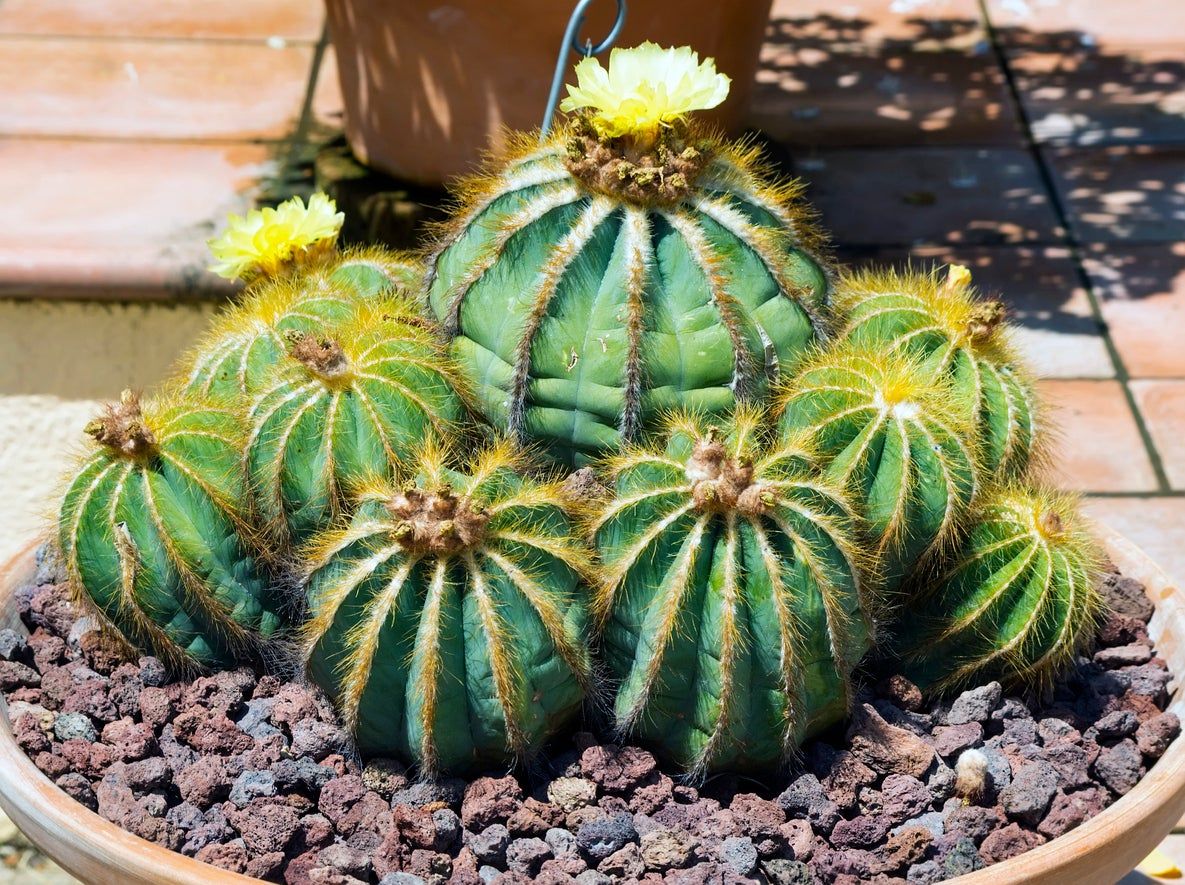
586	293
346	405
889	433
1020	600
248	339
447	620
731	603
150	538
958	336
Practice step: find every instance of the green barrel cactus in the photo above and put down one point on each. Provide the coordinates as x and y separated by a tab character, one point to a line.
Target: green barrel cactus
595	281
249	338
1019	601
150	536
732	604
895	438
448	622
956	335
344	405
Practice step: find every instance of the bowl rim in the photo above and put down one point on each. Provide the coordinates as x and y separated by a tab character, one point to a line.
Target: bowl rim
78	838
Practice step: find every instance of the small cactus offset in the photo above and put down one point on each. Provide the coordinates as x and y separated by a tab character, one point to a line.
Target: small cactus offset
630	265
959	336
151	541
248	339
893	437
732	602
447	620
1020	600
345	405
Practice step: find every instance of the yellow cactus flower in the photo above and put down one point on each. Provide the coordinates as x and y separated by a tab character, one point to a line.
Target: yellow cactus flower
958	276
265	241
645	88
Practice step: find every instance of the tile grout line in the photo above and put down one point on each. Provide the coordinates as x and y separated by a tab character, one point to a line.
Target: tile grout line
1164	488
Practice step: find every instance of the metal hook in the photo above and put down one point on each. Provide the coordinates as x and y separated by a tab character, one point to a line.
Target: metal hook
572	43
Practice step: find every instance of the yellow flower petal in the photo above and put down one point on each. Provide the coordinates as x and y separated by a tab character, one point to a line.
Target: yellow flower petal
266	240
958	276
1160	865
644	88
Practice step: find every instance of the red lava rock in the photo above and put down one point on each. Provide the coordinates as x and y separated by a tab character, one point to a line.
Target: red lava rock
1120	766
1121	629
650	797
415	826
266	824
51	765
887	748
156	706
30	735
231	856
126	685
86	757
222	692
371	812
295	702
901	692
1126	596
204	782
129	740
950	740
90	697
974	821
117	803
209	732
862	831
617	769
1072	763
843	777
297	870
905	847
465	868
14	674
756	817
1124	655
1008	842
264	866
432	866
1155	734
490	800
47	649
51	609
79	789
534	818
1068	810
904	797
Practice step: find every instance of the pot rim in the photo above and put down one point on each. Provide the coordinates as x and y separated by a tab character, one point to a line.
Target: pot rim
79	839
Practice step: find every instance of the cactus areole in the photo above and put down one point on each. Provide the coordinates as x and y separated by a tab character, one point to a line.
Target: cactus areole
592	283
732	605
447	621
150	540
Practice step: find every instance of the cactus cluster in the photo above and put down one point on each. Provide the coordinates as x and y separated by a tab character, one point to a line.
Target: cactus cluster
788	465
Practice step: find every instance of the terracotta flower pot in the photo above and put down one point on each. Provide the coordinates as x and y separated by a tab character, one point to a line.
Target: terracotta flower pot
1099	852
427	85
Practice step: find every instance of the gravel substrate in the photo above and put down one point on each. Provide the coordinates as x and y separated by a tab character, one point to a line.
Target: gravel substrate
254	774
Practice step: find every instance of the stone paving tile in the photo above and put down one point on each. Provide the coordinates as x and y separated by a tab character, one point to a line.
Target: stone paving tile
911	196
1153	524
118	219
144	89
1100	449
220	19
1092	73
1055	328
1122	193
875	72
1162	403
1130	24
1141	289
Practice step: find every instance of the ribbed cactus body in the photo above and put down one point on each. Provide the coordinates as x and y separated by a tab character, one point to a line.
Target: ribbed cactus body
731	601
1020	599
249	338
150	540
447	622
956	336
344	405
895	440
580	315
